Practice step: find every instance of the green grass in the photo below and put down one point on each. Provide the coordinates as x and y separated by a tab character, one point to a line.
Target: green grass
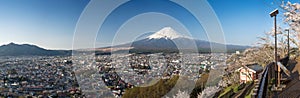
249	95
236	88
158	90
227	89
251	91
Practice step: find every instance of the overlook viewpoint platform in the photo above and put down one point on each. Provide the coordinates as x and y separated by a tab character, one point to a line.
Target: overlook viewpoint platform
292	83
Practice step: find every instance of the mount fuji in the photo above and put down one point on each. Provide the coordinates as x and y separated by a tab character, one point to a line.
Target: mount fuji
169	40
167	33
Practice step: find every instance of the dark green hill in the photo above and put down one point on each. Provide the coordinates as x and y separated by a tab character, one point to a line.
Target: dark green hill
13	49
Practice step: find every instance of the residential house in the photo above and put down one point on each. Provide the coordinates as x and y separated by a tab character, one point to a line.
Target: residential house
249	72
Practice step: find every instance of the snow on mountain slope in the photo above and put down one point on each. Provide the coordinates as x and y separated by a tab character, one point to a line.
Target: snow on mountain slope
167	39
167	33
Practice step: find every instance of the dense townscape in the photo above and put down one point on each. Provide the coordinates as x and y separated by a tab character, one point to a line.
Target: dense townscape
38	76
103	74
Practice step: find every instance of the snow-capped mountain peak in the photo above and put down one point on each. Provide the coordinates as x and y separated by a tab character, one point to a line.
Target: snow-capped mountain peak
167	33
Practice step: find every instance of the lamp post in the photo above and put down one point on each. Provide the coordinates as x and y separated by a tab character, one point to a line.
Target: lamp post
288	36
274	14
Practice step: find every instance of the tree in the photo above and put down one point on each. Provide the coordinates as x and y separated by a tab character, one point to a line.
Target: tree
182	94
263	53
209	92
292	18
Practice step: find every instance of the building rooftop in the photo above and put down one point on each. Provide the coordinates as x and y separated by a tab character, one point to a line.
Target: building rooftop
255	67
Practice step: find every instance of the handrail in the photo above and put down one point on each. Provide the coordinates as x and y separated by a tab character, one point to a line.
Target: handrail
263	83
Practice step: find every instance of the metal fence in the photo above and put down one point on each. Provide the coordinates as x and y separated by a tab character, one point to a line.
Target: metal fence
263	85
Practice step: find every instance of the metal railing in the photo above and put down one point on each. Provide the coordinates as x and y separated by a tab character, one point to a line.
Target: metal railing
263	84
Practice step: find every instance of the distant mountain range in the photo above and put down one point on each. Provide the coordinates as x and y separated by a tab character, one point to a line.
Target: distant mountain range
13	49
168	40
165	40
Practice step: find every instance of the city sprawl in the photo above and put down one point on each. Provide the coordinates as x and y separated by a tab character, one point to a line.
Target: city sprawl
102	75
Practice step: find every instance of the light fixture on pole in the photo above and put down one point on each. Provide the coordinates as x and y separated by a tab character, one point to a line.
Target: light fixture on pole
288	37
274	14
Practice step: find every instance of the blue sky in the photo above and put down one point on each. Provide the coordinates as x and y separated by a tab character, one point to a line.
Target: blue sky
135	18
245	20
51	23
47	23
